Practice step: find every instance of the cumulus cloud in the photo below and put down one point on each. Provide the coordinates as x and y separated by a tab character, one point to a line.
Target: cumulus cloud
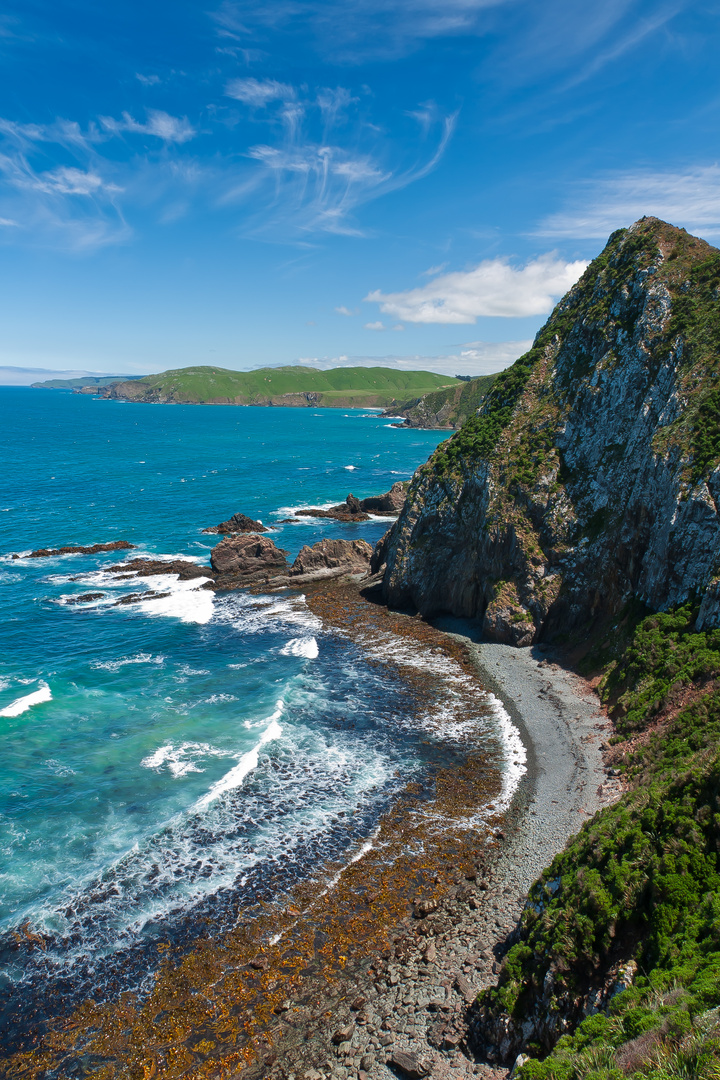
258	92
161	124
494	288
690	198
342	310
375	326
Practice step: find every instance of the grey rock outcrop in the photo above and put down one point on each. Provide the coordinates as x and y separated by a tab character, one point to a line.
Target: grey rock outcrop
580	484
347	556
247	557
238	523
391	502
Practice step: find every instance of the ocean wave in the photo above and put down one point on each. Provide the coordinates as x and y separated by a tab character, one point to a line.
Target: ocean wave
514	753
116	665
303	646
260	614
287	511
22	704
183	759
247	763
187	602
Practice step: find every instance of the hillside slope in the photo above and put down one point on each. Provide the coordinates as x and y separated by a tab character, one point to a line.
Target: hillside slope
590	474
448	408
290	386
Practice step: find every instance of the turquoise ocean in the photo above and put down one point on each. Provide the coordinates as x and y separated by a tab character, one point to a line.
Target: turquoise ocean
160	760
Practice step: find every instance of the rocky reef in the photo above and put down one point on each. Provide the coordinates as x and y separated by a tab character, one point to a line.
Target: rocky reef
354	509
589	474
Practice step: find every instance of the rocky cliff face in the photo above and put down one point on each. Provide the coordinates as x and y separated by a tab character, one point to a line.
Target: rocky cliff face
445	408
589	475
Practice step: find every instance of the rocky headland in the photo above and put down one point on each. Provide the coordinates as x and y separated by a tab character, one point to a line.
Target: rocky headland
588	476
572	523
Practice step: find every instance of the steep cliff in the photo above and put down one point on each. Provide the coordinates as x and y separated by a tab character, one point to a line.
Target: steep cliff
589	475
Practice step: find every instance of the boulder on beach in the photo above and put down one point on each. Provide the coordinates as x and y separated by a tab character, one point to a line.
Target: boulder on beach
247	556
238	523
350	556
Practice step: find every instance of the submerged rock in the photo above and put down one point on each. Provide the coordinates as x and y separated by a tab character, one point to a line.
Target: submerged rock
150	567
77	549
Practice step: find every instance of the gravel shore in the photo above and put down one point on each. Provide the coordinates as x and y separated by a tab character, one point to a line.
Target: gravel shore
407	1014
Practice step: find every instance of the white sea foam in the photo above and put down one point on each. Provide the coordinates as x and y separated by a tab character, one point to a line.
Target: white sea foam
514	752
15	556
245	765
350	468
116	665
187	601
259	614
288	511
22	704
181	760
303	646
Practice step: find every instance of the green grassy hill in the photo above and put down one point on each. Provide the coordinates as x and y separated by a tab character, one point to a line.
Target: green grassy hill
376	386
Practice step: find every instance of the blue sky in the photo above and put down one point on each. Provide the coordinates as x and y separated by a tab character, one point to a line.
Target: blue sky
315	181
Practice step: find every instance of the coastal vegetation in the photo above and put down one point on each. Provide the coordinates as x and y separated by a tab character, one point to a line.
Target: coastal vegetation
637	890
344	387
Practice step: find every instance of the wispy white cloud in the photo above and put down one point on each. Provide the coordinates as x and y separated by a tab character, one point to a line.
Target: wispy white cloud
342	310
432	271
375	326
171	129
689	198
494	288
476	358
305	183
71	181
350	33
147	80
70	206
258	92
